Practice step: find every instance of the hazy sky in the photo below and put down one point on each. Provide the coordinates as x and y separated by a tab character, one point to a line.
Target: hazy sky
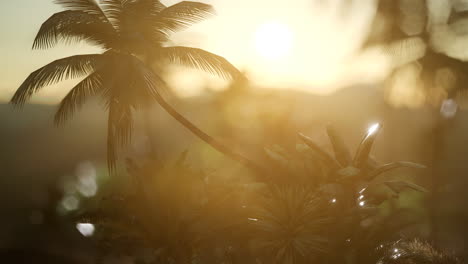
319	41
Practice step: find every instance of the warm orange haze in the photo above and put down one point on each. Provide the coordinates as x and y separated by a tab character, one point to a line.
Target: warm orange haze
296	47
233	132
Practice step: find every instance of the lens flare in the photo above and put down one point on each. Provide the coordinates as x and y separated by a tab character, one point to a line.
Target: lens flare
373	129
86	229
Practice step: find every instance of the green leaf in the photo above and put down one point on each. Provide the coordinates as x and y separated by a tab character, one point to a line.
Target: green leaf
74	26
202	60
274	155
73	101
348	173
375	194
327	158
182	15
365	147
56	71
400	186
392	166
342	153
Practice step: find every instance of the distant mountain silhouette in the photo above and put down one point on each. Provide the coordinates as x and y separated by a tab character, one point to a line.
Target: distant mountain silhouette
33	147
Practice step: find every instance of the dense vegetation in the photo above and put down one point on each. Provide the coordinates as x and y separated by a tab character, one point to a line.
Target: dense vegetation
300	205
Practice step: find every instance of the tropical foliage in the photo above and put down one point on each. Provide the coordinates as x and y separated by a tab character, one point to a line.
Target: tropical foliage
423	38
132	35
306	206
328	204
173	211
413	251
356	201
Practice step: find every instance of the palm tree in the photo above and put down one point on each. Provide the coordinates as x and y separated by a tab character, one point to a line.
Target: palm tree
430	37
132	34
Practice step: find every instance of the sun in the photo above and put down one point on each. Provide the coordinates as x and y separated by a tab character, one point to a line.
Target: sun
273	40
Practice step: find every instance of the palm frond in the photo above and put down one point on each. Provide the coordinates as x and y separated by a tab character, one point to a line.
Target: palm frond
201	59
322	154
134	20
400	186
113	10
342	154
120	12
87	6
76	97
181	16
158	6
404	51
415	251
73	26
392	166
290	223
70	67
365	147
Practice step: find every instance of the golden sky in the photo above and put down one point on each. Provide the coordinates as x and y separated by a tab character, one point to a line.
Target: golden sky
302	44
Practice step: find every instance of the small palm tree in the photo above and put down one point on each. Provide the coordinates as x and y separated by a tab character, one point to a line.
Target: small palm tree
353	189
289	225
132	34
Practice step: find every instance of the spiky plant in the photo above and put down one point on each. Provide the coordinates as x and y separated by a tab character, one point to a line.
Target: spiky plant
344	168
133	35
289	225
414	252
347	183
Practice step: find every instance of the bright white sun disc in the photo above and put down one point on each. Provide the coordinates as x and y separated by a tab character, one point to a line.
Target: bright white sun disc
273	40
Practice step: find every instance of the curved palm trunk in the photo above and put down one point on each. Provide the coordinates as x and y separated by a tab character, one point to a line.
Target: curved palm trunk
147	128
210	140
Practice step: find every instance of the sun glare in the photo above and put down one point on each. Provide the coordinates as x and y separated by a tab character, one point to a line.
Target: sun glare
273	40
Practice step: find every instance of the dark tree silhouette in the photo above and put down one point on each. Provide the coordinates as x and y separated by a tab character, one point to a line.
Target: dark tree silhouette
424	33
132	34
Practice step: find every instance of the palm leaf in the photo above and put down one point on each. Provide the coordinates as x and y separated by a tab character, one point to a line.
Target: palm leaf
400	186
404	51
77	96
181	16
362	154
121	12
327	158
113	10
289	223
392	166
158	6
70	67
201	59
342	154
88	6
71	26
117	11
